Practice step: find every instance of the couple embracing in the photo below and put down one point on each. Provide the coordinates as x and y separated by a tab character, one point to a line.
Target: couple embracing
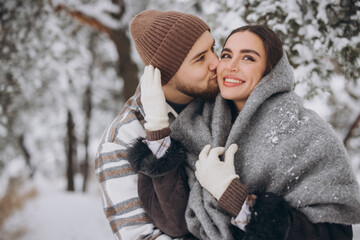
182	160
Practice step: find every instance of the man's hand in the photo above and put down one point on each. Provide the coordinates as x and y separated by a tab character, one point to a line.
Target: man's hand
153	100
213	174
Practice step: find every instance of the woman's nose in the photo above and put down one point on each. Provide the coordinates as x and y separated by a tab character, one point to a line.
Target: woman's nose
233	66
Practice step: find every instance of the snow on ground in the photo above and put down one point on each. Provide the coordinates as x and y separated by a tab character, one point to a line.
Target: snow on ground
59	215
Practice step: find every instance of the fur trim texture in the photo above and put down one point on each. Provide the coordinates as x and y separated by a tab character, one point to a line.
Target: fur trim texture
270	218
142	159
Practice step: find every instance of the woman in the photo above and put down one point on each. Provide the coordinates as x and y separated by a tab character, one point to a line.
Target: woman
287	156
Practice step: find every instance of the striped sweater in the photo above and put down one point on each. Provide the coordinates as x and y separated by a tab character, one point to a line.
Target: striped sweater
118	181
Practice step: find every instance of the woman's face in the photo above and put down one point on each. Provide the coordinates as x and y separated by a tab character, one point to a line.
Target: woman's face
243	62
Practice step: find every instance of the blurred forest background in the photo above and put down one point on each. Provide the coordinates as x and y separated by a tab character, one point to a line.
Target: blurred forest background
67	66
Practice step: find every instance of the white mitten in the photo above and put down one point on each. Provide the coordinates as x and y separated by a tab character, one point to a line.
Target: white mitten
213	174
153	100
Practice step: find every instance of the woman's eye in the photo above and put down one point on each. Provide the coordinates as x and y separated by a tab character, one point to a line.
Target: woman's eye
250	58
225	55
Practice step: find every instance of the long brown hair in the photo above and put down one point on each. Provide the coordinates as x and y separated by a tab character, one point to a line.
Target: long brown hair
272	43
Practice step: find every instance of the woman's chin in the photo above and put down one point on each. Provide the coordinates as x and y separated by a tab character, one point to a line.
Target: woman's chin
228	95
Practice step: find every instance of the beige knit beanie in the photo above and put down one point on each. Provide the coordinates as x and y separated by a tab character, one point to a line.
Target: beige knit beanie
163	39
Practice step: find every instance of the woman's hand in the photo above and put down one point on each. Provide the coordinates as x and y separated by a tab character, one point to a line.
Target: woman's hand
213	174
153	100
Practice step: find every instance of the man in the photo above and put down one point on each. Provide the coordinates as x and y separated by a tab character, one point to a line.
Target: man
181	47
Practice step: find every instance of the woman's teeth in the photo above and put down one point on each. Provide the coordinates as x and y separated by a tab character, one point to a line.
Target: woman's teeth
233	80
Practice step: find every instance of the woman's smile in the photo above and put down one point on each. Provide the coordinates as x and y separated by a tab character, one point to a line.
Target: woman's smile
232	81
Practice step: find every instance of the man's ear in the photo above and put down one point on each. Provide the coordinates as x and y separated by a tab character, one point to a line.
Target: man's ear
169	82
168	88
168	85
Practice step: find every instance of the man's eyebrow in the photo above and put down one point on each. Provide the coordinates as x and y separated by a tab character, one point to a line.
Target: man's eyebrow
242	51
198	55
201	53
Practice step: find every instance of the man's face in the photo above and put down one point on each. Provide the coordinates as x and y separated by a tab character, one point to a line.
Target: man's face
196	76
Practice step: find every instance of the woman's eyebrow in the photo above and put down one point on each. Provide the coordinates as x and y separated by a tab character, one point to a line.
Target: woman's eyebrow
226	50
249	51
242	51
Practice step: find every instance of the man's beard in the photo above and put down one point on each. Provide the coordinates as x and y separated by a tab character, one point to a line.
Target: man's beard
207	94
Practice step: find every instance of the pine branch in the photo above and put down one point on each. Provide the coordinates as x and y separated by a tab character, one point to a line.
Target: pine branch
351	93
81	17
350	132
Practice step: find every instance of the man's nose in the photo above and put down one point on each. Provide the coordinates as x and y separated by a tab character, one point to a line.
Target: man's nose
214	62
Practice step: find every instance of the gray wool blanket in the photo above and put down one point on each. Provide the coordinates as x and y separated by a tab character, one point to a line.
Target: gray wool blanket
284	148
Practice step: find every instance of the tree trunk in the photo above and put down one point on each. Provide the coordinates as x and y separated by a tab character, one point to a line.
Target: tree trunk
26	154
87	107
70	151
87	110
127	69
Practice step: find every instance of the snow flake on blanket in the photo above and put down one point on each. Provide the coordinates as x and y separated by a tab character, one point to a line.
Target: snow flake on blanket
287	122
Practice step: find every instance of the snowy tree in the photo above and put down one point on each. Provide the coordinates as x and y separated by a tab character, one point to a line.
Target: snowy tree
67	66
322	40
49	64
